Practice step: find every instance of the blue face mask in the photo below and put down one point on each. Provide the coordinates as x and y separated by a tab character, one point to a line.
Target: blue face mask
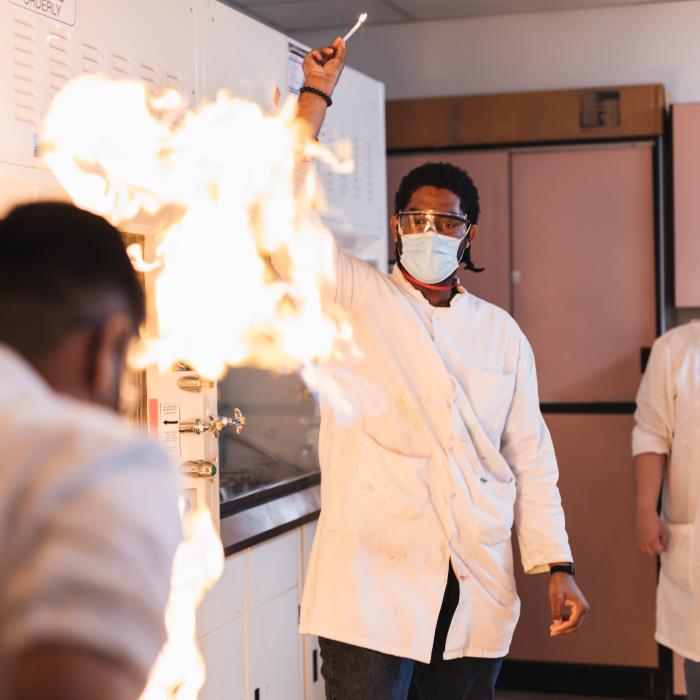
430	257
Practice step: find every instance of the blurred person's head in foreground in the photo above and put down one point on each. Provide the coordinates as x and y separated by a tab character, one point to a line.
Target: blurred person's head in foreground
88	509
70	301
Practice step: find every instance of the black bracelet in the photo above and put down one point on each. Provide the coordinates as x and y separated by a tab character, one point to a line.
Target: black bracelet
563	569
320	93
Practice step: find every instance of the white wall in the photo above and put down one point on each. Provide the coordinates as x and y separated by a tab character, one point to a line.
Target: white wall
656	43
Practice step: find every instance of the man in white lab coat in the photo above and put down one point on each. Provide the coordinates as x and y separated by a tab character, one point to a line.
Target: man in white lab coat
666	449
88	509
410	585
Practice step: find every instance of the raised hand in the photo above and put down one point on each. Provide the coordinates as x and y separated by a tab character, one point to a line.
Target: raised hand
322	67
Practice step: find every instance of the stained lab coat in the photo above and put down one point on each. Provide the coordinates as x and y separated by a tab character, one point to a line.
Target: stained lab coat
667	421
438	474
88	525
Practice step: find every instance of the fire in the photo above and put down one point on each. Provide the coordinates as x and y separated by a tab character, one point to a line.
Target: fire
241	263
242	257
179	670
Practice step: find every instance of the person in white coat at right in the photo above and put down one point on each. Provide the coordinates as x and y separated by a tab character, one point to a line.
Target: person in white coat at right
666	449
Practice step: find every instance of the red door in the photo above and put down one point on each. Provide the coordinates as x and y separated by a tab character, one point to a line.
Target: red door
583	266
596	486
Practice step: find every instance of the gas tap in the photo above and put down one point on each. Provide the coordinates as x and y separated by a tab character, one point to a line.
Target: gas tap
214	425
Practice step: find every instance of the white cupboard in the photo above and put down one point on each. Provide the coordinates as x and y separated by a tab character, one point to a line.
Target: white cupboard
314	688
274	649
248	625
223	651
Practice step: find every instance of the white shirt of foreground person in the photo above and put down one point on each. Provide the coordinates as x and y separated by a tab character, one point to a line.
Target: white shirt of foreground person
667	422
460	451
88	526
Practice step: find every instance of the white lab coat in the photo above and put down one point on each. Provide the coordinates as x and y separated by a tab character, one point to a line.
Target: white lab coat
88	525
667	421
458	451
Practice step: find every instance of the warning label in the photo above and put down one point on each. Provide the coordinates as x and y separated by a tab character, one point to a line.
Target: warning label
168	428
58	10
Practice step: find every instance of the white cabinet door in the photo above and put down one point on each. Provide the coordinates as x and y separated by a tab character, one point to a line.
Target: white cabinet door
274	568
314	688
229	41
223	653
275	649
225	601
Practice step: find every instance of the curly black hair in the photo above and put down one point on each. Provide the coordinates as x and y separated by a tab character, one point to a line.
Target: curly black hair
444	176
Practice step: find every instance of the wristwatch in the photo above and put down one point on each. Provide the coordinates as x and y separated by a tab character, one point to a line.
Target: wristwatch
563	569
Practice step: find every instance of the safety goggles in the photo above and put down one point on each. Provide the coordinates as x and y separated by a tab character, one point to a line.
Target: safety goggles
425	220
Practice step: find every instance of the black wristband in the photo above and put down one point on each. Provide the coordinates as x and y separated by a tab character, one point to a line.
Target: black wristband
563	569
315	91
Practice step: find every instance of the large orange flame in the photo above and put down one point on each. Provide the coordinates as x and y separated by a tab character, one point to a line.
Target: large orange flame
242	256
242	261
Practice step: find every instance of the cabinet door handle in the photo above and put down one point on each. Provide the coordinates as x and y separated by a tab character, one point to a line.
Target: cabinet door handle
314	664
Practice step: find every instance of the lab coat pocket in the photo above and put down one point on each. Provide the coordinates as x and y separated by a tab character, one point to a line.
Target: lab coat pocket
392	482
496	501
677	560
491	395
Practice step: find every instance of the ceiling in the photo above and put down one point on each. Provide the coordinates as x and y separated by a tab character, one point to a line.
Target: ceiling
301	15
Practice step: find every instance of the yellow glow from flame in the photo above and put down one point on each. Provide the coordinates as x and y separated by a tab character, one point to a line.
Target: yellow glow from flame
242	256
241	263
199	561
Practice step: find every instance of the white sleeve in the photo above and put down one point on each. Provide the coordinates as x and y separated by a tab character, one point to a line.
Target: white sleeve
96	558
655	415
353	277
527	447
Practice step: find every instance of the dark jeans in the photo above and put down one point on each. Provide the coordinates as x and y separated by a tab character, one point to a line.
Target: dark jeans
692	679
354	673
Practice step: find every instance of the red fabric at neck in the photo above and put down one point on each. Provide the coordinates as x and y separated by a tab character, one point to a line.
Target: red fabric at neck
436	287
